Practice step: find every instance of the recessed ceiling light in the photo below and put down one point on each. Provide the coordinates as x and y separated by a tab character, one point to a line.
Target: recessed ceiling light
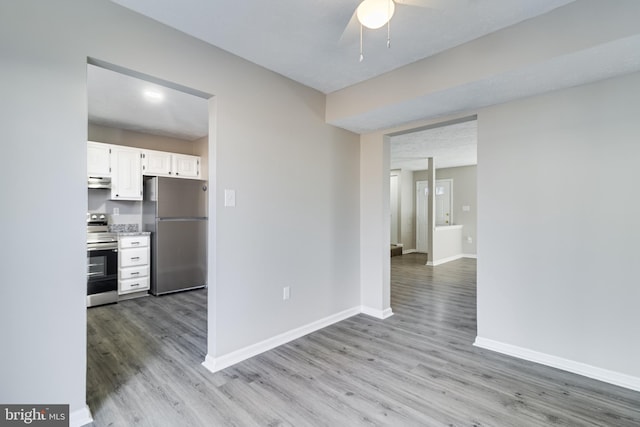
153	95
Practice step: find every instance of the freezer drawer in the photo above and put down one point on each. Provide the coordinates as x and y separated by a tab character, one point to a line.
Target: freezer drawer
179	255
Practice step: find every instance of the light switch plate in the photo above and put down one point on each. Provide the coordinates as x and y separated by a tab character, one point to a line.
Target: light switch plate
466	208
230	198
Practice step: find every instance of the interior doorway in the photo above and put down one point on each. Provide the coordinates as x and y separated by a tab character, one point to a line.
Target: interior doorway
134	112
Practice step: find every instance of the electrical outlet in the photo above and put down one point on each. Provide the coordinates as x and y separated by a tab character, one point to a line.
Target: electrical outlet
116	211
286	293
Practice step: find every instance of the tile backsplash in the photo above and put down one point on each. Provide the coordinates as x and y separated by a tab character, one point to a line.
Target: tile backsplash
124	228
129	213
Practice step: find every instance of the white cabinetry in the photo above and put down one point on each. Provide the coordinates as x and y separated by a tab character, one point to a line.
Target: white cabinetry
98	159
157	163
127	174
161	163
127	165
186	166
133	264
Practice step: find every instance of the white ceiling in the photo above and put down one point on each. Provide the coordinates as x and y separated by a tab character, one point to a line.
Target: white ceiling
450	145
304	41
118	100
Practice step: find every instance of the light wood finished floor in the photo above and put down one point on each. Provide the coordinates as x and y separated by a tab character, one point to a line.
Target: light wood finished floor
417	368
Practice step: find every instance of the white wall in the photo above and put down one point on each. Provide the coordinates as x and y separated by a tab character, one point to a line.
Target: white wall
464	194
297	217
375	269
559	228
117	136
407	209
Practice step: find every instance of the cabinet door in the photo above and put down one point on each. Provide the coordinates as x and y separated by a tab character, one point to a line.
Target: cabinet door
98	159
186	166
127	175
156	163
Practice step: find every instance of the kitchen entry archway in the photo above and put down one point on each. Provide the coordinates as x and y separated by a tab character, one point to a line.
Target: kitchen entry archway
131	109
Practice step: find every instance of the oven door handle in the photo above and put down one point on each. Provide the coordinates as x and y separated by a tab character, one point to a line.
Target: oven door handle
102	247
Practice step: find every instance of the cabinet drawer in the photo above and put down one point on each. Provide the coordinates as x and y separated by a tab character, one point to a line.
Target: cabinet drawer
134	257
134	285
134	272
134	241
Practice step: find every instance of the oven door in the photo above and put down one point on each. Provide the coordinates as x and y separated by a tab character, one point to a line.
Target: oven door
102	274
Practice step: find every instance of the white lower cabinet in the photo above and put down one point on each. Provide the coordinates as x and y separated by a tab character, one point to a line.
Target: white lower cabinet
133	264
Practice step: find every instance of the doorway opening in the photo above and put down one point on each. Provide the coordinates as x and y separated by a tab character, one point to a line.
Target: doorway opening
453	147
149	144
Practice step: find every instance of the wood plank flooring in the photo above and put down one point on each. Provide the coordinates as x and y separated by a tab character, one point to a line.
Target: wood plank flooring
417	368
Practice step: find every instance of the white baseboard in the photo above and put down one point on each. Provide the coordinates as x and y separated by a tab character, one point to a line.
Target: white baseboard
444	260
611	377
81	417
215	364
474	256
409	251
378	314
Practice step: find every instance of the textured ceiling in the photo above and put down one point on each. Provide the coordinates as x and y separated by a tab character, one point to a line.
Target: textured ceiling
450	145
304	41
118	100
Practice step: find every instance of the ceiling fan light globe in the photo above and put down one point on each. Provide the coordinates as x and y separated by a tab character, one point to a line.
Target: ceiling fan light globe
374	14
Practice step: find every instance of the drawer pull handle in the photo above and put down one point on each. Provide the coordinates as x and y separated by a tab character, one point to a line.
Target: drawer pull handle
135	273
135	284
135	258
135	243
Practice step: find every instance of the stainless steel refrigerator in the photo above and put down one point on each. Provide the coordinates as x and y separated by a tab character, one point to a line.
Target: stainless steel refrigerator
174	210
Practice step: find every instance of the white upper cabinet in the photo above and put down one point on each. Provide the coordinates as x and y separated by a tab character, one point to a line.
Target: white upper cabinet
185	166
156	163
98	159
126	183
127	165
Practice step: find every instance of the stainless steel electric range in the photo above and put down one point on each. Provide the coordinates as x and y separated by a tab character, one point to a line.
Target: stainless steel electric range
102	261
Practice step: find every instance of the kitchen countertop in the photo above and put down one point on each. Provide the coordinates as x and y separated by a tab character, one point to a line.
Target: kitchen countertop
134	233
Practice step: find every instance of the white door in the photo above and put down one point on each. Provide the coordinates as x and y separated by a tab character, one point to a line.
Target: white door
394	208
422	216
443	202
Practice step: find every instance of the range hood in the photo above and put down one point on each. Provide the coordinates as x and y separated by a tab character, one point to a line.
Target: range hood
99	182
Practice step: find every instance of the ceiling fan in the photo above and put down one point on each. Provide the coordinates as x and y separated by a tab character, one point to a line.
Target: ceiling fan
374	14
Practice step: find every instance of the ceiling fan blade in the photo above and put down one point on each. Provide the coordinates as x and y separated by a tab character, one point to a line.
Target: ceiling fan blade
429	4
351	31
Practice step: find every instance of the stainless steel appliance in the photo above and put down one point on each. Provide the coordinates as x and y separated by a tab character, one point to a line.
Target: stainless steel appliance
102	261
99	182
175	212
